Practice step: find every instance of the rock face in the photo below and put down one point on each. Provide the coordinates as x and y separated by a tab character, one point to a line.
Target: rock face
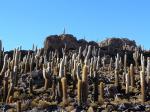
58	42
117	42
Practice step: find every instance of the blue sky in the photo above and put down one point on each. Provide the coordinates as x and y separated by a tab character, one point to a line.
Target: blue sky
24	22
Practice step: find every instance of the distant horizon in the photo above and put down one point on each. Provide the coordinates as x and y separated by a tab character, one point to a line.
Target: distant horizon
31	21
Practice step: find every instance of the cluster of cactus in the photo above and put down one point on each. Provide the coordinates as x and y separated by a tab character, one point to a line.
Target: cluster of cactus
72	73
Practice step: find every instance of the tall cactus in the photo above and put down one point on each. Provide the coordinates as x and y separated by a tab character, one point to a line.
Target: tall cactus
95	89
148	73
4	65
5	88
101	92
127	82
132	77
117	71
125	63
10	91
136	57
64	90
79	97
45	78
84	84
142	86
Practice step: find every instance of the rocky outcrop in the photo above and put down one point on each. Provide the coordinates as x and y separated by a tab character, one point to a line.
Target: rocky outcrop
117	43
68	41
58	42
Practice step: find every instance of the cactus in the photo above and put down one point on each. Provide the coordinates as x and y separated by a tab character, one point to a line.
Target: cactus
127	82
15	75
30	86
116	78
117	62
142	63
142	79
88	54
148	73
95	80
10	92
61	73
101	92
136	57
125	63
4	65
132	77
116	71
79	97
54	82
5	89
84	84
45	78
64	90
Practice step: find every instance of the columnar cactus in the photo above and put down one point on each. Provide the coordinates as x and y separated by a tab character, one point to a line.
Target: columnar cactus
84	84
61	68
79	54
5	88
95	89
78	72
142	63
125	63
88	54
79	92
45	78
116	78
132	77
4	65
142	86
127	82
117	62
148	73
103	61
64	90
30	86
10	92
101	92
136	57
15	75
116	71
